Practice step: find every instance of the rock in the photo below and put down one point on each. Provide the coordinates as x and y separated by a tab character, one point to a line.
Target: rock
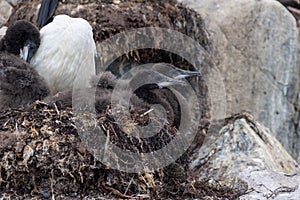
271	185
13	2
293	6
297	118
256	48
5	11
243	151
243	143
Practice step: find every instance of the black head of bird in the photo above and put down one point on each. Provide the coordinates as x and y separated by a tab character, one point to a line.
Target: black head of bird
22	38
104	80
164	76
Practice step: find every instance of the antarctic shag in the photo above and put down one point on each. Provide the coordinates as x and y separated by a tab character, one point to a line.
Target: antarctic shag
66	54
150	93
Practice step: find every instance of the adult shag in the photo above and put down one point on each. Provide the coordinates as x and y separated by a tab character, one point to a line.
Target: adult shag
66	56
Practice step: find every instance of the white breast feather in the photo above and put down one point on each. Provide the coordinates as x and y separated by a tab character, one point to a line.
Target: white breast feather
65	57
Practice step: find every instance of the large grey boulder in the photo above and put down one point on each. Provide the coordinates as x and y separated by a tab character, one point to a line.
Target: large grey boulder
255	47
245	155
242	144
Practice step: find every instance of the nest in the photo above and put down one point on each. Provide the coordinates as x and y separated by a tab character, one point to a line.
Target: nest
42	155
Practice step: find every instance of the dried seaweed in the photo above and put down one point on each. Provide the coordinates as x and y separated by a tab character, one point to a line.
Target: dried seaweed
42	155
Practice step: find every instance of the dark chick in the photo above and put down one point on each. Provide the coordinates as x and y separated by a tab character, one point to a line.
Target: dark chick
160	92
140	99
20	84
21	39
100	92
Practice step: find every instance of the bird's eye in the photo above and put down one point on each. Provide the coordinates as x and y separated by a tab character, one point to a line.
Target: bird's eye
33	46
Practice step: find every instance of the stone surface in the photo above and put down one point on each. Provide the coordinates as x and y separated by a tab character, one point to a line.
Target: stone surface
297	118
13	2
247	152
5	11
255	47
265	185
242	144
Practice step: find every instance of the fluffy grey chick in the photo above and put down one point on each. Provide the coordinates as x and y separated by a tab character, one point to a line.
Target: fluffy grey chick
20	84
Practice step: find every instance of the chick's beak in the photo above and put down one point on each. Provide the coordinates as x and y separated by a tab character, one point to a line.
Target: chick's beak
170	83
185	73
28	51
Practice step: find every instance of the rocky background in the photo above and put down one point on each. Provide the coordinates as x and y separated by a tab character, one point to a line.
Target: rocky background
255	46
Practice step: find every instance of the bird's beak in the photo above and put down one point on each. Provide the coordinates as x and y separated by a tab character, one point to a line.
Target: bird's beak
28	51
170	83
185	73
